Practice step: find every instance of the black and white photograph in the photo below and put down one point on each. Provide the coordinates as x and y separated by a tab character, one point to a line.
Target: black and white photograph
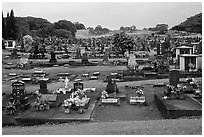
101	67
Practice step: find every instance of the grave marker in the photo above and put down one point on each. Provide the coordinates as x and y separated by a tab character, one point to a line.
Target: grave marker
43	86
174	76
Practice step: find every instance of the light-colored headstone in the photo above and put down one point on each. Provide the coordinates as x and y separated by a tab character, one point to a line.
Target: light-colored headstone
132	64
109	100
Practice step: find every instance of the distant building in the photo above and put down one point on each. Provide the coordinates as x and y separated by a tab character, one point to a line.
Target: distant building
183	50
189	62
10	44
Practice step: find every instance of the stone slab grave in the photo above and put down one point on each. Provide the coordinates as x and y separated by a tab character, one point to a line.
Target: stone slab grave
85	75
55	114
175	108
96	73
61	116
93	78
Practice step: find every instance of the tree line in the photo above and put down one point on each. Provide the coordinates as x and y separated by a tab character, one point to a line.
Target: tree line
14	28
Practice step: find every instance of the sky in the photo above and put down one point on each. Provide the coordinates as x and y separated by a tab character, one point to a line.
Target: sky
111	15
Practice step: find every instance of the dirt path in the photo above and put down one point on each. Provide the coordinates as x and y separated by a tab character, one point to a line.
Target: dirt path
152	127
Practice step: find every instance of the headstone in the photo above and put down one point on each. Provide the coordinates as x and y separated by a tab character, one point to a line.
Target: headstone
84	59
78	85
132	64
111	87
18	90
18	101
174	76
43	86
53	58
78	53
105	57
66	82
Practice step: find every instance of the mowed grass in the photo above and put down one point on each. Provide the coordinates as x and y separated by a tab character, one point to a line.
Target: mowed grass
151	127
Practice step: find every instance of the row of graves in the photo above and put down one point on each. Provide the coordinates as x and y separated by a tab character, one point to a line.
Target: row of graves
66	104
142	69
179	98
63	105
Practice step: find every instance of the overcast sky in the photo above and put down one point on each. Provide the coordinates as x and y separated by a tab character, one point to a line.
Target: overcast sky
111	15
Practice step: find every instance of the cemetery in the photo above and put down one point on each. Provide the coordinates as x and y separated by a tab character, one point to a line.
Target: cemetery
51	91
122	77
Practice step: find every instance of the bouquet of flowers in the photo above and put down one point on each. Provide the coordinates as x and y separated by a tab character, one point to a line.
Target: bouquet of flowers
104	94
77	98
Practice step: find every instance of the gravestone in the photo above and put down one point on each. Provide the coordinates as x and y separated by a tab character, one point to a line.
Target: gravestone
132	64
66	82
105	57
53	57
112	86
43	86
78	53
18	101
18	89
84	59
78	85
174	76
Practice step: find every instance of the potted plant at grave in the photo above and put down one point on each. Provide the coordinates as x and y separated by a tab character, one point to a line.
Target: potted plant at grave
104	94
191	67
161	66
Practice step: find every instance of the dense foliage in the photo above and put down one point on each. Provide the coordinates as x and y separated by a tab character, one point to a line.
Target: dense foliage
98	30
123	42
17	27
9	27
192	24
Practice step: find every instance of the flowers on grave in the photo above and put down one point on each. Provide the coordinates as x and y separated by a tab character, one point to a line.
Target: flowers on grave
41	105
191	66
11	109
161	64
77	98
139	93
104	94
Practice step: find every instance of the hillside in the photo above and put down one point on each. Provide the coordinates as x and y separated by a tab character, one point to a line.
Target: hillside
192	24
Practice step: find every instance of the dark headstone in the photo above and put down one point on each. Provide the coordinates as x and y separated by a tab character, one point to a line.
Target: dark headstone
53	58
78	53
174	76
84	59
43	86
18	90
78	85
112	86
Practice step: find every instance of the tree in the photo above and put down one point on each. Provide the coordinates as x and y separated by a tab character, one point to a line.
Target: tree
123	42
63	33
13	31
67	25
46	31
3	26
7	23
98	28
79	26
